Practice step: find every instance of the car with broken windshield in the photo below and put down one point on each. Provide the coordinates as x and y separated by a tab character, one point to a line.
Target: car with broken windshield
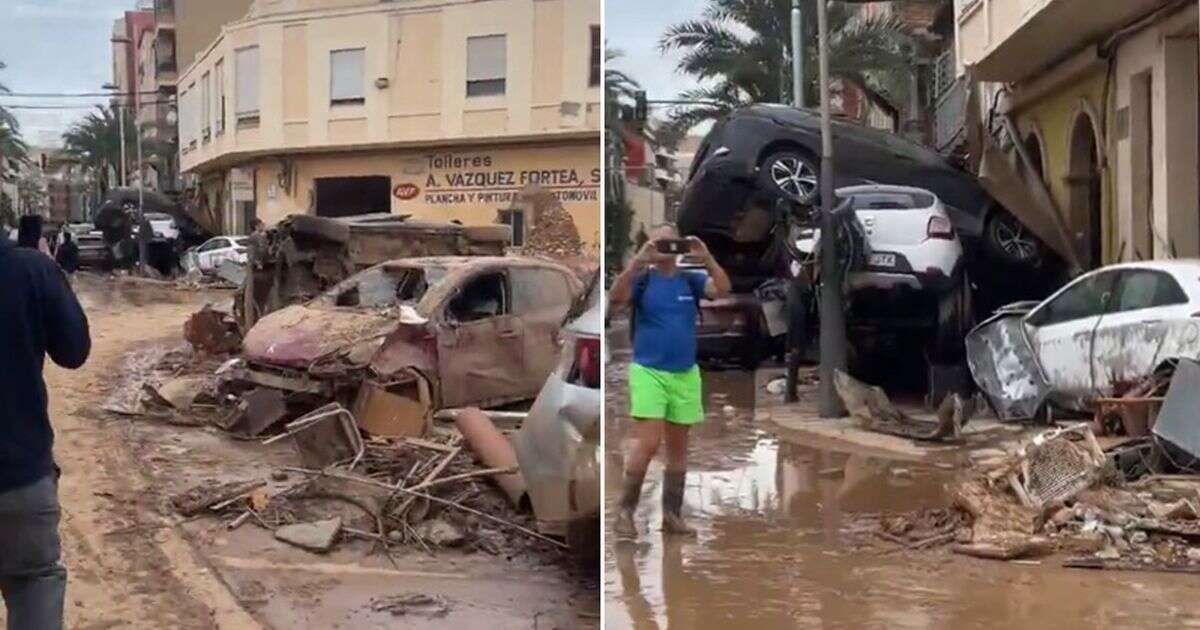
479	331
1098	336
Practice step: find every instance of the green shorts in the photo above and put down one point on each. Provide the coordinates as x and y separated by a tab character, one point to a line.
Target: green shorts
661	395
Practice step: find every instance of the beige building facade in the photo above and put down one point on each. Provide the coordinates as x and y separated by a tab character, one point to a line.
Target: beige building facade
438	109
1107	103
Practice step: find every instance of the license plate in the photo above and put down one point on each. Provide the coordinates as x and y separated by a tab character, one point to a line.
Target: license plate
883	260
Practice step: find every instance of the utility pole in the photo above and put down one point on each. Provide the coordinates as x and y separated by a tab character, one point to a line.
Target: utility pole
143	234
833	318
797	55
121	124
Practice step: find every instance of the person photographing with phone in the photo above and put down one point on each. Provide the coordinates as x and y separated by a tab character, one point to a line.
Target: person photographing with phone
664	380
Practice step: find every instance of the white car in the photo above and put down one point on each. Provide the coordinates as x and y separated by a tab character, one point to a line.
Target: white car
912	274
1107	329
558	446
163	226
208	256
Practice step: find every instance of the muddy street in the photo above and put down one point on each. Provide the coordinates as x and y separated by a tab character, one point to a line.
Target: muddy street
780	540
133	562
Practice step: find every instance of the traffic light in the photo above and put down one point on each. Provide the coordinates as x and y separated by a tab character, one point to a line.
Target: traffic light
640	109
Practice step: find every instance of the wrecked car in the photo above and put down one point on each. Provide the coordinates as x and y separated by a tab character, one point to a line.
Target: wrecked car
770	151
558	446
1103	332
305	255
479	331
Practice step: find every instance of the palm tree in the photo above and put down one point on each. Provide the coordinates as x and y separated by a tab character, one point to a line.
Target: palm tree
619	90
96	141
740	51
12	146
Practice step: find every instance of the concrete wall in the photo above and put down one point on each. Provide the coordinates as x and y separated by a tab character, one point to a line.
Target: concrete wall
198	24
419	50
1052	119
1156	160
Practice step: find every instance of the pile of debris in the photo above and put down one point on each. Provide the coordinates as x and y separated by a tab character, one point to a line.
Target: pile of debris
553	232
445	486
427	493
1060	492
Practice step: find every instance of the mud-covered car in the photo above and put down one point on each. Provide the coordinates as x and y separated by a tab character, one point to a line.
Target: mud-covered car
482	331
1097	336
768	151
558	446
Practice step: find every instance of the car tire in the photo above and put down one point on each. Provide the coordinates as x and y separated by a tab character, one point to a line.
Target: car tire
955	316
1009	241
792	174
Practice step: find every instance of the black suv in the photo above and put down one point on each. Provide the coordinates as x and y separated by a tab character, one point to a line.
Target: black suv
766	151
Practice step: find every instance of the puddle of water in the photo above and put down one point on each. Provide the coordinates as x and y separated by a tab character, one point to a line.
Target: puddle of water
773	549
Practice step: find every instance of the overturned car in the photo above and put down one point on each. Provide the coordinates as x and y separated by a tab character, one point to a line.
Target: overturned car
477	331
1096	337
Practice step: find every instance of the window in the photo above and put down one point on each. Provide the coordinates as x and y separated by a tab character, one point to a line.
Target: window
891	201
246	94
515	219
487	64
206	106
482	298
1143	288
219	96
596	57
1088	297
346	77
385	286
215	244
350	196
540	291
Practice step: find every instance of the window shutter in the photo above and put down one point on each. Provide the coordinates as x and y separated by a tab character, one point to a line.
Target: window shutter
346	74
246	63
487	58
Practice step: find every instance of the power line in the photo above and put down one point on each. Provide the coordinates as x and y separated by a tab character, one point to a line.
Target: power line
75	95
69	107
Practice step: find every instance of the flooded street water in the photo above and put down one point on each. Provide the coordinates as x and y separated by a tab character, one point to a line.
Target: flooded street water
777	546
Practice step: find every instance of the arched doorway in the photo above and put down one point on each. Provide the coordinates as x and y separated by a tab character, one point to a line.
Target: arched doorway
1083	181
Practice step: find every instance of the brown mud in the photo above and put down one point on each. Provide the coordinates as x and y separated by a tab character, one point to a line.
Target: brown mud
781	542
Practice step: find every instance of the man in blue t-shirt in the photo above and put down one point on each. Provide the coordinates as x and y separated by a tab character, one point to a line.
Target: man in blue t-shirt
664	380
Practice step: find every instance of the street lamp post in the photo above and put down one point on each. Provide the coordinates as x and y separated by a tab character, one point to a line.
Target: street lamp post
797	55
833	318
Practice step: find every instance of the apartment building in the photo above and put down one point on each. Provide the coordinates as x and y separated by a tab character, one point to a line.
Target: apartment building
440	109
1103	104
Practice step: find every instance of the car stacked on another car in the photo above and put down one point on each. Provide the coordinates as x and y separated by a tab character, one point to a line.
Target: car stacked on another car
913	277
768	151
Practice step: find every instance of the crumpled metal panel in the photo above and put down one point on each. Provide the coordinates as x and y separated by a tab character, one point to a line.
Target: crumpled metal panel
1177	422
1004	367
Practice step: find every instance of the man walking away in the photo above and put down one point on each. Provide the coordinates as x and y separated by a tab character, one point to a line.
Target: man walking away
664	380
68	254
39	315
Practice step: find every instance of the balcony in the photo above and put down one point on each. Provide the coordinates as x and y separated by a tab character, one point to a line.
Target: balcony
164	57
1013	40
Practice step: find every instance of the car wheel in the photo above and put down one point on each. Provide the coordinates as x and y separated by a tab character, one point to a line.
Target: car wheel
791	174
954	320
1010	241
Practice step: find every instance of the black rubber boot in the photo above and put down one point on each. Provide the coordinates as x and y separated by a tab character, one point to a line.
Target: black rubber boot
673	523
632	493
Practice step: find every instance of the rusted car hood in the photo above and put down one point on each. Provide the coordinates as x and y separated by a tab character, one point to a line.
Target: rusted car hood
298	335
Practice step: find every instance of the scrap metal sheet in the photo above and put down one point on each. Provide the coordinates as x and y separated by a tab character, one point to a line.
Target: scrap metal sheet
1004	368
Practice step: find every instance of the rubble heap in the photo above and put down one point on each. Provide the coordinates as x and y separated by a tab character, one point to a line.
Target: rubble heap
553	232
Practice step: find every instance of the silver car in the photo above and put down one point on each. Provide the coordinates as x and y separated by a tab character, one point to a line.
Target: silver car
558	446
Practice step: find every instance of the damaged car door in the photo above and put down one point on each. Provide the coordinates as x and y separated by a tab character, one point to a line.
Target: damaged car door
481	344
1061	332
1149	321
541	298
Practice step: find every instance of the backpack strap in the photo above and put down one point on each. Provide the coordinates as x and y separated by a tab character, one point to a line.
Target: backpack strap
639	290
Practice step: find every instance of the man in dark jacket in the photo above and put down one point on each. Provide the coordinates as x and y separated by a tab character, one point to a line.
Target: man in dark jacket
68	254
39	315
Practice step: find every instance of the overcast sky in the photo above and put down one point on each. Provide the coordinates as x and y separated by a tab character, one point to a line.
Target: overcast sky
634	27
55	46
